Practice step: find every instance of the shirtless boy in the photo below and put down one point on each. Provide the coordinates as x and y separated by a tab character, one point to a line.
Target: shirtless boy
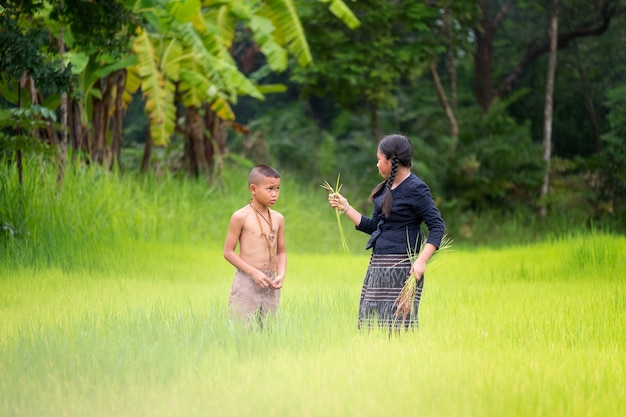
262	260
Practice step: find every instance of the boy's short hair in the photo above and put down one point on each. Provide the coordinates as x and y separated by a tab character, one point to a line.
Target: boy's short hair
261	171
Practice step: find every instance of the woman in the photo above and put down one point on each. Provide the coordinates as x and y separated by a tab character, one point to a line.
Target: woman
402	202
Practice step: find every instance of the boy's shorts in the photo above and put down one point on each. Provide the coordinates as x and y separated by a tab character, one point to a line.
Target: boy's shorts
247	299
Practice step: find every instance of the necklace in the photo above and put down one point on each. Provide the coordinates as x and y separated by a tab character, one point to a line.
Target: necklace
268	239
269	222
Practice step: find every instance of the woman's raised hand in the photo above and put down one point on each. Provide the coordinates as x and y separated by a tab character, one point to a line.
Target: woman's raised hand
338	201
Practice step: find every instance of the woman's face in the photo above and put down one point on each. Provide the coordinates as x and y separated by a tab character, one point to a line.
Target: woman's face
383	164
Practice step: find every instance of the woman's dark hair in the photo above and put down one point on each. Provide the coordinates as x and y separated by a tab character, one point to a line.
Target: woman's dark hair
398	148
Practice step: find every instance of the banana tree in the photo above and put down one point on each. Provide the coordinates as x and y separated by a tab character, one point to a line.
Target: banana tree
95	100
180	59
184	59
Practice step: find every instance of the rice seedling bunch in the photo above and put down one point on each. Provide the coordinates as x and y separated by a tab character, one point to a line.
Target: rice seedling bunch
335	192
406	299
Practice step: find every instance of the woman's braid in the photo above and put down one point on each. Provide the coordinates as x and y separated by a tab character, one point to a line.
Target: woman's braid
388	198
394	171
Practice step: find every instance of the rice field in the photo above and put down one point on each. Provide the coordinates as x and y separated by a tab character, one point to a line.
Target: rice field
535	330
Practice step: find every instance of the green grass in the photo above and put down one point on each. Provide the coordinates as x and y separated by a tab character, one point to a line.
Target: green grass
534	330
95	211
113	295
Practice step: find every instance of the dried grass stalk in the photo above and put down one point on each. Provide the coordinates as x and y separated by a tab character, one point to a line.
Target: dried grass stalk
335	192
406	299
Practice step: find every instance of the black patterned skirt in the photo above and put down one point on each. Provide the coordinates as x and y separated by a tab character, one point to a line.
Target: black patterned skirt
385	277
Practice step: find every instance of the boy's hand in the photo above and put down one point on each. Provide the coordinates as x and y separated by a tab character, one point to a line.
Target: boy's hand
278	282
261	279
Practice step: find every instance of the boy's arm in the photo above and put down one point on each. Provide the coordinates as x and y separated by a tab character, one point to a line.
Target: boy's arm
281	254
235	229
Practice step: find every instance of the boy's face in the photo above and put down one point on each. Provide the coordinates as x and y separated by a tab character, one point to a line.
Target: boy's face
266	191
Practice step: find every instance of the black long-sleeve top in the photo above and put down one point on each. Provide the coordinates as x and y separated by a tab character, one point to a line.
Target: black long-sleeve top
413	205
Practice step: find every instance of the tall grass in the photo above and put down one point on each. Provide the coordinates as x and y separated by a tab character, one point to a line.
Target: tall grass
95	207
96	213
113	296
518	331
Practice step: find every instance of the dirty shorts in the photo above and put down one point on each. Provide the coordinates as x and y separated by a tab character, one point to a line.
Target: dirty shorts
248	300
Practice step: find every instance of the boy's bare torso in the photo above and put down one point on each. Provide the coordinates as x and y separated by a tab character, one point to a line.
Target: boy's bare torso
253	246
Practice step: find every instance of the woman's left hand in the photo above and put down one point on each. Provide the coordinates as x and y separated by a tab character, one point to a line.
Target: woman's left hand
419	266
417	269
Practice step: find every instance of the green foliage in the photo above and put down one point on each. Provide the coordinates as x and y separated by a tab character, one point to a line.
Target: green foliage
157	88
15	121
611	162
285	17
587	68
497	163
298	146
614	139
292	138
11	214
571	188
366	65
101	27
26	47
188	46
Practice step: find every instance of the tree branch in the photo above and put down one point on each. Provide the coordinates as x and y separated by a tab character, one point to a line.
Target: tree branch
454	126
501	14
533	52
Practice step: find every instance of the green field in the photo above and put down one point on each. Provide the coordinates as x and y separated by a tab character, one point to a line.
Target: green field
113	295
532	330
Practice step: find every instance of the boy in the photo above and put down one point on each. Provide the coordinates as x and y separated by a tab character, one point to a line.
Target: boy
262	260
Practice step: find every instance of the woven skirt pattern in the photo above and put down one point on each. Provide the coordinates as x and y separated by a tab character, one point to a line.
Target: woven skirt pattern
384	279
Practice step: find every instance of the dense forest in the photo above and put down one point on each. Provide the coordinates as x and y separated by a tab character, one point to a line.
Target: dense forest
512	106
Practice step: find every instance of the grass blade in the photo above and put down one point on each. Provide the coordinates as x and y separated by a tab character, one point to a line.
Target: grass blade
335	192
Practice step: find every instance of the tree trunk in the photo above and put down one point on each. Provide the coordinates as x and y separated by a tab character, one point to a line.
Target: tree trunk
147	153
216	142
483	59
588	101
78	137
18	152
447	21
118	121
547	131
101	119
84	145
195	158
596	24
28	81
62	151
50	131
452	120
